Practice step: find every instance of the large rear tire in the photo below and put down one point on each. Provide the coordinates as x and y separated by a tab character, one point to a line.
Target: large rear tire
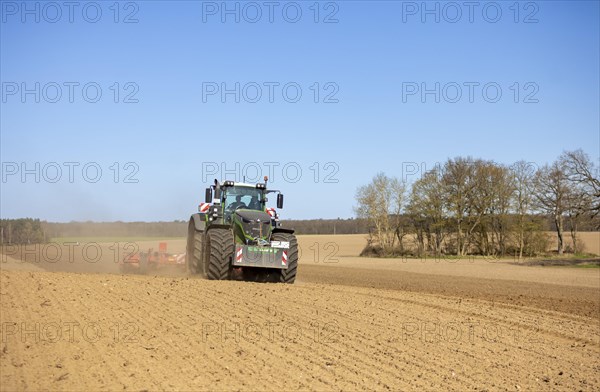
193	253
220	247
288	275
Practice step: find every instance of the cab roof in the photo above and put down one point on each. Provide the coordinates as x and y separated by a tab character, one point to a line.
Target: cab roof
240	184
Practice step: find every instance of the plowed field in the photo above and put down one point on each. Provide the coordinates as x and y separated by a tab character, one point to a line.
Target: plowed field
348	323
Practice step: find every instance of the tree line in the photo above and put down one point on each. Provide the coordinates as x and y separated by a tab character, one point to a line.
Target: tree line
475	206
29	231
21	231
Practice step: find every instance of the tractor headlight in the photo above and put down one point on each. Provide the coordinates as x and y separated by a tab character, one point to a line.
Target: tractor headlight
216	211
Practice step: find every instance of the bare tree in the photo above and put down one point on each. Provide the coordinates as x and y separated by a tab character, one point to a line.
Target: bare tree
502	188
553	194
523	174
579	203
458	184
581	171
381	203
426	208
398	197
479	203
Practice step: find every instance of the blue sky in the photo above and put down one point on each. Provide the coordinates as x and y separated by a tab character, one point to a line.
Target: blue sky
176	127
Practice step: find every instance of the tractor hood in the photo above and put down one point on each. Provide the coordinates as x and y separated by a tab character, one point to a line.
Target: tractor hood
252	225
248	216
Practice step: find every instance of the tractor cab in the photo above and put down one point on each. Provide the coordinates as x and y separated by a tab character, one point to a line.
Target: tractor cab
243	206
244	197
226	198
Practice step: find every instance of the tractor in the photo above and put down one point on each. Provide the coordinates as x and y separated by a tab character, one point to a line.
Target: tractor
236	236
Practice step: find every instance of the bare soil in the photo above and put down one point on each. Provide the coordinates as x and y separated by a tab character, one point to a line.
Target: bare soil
348	323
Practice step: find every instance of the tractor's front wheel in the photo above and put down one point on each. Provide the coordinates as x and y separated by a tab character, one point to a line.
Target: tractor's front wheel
219	247
193	253
288	275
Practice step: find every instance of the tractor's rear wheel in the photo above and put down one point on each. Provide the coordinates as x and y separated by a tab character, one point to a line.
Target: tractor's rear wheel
219	247
288	275
193	254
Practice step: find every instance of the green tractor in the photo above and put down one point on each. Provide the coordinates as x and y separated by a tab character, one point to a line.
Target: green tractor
235	236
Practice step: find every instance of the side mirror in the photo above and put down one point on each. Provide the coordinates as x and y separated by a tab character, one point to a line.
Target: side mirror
279	200
208	195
